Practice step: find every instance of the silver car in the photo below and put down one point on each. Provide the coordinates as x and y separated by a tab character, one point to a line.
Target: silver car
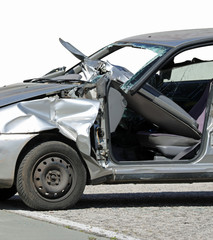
137	111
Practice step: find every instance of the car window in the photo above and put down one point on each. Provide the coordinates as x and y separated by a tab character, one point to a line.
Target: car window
131	58
158	51
205	53
192	71
186	77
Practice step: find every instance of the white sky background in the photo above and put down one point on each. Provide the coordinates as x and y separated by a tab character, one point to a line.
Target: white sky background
29	45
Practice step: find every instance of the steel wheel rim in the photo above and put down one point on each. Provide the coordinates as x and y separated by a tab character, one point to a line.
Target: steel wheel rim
54	177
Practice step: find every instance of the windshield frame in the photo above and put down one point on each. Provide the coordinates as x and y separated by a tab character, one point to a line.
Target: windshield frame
161	50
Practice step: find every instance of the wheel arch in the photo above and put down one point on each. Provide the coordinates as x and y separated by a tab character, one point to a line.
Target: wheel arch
45	137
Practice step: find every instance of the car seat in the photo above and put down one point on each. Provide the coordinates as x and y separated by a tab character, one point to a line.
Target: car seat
179	130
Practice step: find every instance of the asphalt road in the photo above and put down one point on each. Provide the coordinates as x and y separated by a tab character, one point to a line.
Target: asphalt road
164	211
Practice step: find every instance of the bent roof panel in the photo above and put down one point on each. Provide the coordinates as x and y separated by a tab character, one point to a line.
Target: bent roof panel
173	38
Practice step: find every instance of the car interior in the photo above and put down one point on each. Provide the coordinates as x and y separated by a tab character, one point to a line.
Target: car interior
165	119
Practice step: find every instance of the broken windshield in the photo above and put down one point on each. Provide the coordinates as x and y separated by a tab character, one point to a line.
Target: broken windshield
125	62
151	53
129	57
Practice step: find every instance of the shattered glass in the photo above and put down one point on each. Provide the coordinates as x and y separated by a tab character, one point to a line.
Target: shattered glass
191	72
159	50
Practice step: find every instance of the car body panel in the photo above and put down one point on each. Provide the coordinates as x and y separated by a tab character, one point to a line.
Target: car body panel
73	118
23	91
11	146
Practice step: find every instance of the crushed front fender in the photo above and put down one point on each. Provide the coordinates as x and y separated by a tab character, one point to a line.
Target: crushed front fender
72	117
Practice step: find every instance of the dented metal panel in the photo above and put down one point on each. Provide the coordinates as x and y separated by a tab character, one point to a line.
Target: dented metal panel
72	117
22	91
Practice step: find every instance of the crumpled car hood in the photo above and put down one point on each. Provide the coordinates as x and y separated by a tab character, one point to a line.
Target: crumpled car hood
23	91
72	117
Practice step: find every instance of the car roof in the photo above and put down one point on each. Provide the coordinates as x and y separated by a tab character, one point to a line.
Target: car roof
173	38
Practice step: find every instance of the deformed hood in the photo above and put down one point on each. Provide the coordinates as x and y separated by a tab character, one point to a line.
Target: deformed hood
22	91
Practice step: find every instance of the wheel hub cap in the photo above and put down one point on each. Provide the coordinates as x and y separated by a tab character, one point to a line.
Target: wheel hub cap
53	177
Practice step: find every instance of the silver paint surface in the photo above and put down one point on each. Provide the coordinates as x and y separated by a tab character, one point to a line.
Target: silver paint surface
72	117
10	148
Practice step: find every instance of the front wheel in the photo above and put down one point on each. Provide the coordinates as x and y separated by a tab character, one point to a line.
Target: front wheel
51	176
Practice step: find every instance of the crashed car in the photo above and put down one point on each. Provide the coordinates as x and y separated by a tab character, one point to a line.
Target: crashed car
137	111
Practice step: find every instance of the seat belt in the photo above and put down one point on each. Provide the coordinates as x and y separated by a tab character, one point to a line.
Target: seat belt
185	152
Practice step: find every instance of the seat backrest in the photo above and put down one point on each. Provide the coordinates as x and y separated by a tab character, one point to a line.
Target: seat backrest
162	111
199	109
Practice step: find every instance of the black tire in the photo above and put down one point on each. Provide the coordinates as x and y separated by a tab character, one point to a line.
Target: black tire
6	193
51	176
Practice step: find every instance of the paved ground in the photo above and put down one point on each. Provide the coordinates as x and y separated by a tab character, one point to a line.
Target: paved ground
17	227
167	211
